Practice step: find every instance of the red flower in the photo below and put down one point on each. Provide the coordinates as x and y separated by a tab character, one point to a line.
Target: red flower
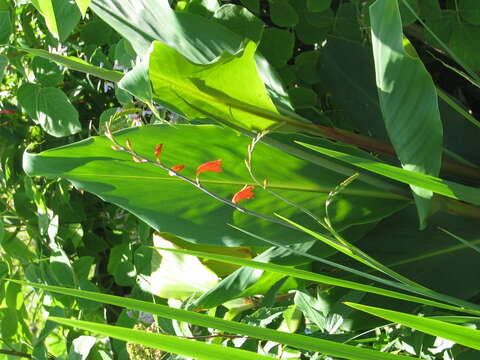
8	112
158	151
245	193
177	168
215	165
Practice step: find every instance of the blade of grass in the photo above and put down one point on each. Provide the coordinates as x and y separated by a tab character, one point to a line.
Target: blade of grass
354	252
319	278
459	334
298	341
463	241
173	344
420	291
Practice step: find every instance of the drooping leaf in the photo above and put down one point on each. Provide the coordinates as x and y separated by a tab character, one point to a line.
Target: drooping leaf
408	100
61	16
46	9
161	201
218	88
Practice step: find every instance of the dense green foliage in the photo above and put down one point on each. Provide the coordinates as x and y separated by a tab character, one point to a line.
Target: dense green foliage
246	179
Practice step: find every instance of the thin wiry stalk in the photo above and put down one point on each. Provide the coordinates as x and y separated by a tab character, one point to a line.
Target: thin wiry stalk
128	149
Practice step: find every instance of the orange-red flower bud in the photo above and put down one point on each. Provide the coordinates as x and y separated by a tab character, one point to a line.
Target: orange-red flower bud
158	151
177	168
245	193
215	165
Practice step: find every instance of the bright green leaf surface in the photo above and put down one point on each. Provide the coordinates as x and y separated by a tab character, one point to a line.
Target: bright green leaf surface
295	340
83	5
165	202
436	185
459	334
408	100
3	65
216	88
46	9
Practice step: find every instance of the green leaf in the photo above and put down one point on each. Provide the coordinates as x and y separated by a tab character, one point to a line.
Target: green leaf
282	13
61	16
241	21
80	347
46	9
56	114
172	344
46	72
408	100
460	334
2	231
217	88
160	199
83	5
470	11
294	340
318	5
3	66
277	46
436	185
252	5
77	64
302	98
6	26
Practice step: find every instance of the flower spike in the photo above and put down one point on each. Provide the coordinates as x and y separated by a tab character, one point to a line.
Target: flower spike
158	151
245	193
215	165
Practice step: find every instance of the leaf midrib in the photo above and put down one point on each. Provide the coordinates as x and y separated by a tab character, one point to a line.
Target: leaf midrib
366	193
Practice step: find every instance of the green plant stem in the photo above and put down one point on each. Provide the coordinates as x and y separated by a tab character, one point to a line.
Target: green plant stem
16	353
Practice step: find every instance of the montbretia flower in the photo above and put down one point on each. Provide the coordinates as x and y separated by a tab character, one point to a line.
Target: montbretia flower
175	168
7	112
215	165
245	193
158	151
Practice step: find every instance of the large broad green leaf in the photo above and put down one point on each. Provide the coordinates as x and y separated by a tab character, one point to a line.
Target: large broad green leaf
460	334
408	100
137	21
436	185
219	88
294	340
165	202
